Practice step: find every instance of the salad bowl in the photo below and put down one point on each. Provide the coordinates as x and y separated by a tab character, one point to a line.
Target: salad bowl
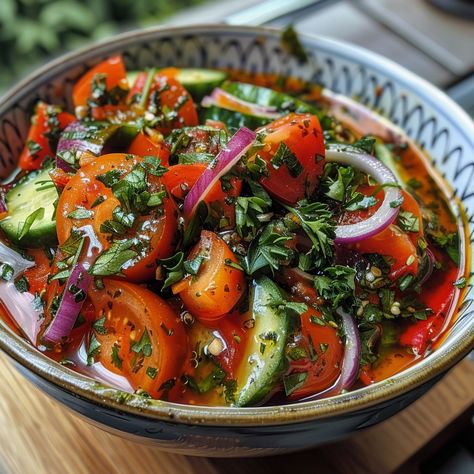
419	110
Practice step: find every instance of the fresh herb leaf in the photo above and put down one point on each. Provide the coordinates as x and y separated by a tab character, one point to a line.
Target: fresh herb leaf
22	284
192	266
338	186
173	269
153	166
111	261
29	221
360	202
99	326
294	381
151	372
284	155
110	177
143	346
408	221
336	285
268	250
248	210
116	360
292	44
93	349
80	213
365	144
6	272
316	220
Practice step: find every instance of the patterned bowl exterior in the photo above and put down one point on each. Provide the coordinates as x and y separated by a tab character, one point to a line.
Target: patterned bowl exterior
423	112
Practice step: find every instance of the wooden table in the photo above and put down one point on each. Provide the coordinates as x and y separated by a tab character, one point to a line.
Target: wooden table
39	436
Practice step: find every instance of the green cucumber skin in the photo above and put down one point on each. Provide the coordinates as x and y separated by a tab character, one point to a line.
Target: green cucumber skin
268	97
42	233
233	120
256	381
197	81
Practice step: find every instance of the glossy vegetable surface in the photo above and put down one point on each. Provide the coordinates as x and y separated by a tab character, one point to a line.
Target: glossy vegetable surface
209	241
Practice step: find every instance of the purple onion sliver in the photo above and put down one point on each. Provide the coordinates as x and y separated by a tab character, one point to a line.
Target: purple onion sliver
20	307
75	145
350	362
385	214
69	308
226	159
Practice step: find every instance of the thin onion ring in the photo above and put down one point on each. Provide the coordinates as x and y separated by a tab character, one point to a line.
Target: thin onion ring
385	214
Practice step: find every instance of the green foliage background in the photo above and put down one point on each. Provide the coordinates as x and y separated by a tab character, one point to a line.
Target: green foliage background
32	31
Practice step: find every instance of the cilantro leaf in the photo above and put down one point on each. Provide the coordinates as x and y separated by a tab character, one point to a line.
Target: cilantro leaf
173	269
248	210
408	221
29	221
316	220
111	261
268	250
336	285
284	156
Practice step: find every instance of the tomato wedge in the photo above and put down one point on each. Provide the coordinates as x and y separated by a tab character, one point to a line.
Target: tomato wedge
179	179
168	99
143	145
115	74
141	337
302	135
321	356
47	121
392	242
218	286
37	276
157	229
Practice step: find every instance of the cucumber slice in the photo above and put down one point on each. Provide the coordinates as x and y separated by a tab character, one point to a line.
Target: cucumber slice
197	81
264	360
268	97
233	120
34	191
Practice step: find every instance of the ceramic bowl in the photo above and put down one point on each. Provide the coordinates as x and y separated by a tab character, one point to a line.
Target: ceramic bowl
423	112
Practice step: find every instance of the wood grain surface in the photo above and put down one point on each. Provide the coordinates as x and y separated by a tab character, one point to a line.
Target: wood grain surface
38	436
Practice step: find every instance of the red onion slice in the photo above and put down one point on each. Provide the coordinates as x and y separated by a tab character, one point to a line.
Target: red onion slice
385	214
75	145
221	98
350	362
70	306
14	259
21	309
226	159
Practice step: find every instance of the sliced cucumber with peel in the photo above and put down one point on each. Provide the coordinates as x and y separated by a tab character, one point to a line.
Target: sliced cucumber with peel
197	81
31	206
264	361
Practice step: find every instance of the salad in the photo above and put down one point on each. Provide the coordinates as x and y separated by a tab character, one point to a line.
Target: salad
207	237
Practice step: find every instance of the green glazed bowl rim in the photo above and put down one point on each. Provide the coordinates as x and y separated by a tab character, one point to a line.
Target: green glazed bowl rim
84	387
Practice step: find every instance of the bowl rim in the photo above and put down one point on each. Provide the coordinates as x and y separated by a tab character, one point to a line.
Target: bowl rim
86	388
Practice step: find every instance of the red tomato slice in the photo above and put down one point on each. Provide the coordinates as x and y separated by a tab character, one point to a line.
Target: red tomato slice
179	179
37	276
217	287
171	96
82	191
324	351
144	338
392	242
143	145
302	134
47	119
114	70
